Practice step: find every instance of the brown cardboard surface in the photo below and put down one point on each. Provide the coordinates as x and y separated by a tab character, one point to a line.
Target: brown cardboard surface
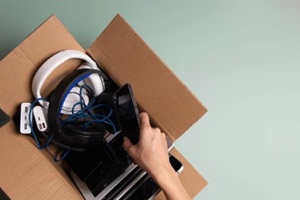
190	178
20	65
26	172
192	181
127	58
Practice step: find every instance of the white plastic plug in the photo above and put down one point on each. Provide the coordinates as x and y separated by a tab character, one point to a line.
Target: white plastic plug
24	118
40	119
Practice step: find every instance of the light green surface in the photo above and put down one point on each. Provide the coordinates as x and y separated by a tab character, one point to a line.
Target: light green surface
241	58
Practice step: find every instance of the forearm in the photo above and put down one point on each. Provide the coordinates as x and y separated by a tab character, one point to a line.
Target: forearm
151	154
171	186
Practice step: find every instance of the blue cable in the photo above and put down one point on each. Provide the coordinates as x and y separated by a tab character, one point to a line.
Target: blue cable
62	154
101	121
39	146
106	118
86	111
49	140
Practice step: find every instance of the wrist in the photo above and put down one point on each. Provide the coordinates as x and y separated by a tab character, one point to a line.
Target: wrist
170	184
164	175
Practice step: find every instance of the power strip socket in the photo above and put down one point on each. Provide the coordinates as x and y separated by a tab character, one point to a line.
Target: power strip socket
40	118
24	118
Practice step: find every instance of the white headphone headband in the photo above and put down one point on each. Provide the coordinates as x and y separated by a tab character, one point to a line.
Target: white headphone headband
51	64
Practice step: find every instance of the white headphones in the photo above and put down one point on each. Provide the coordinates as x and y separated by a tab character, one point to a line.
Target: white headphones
94	81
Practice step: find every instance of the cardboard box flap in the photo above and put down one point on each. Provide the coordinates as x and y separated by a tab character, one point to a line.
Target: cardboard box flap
20	65
28	173
192	181
127	59
25	170
190	177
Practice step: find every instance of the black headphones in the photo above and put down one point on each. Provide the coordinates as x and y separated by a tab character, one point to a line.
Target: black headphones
83	132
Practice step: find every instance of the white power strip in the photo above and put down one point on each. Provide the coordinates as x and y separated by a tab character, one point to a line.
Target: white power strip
39	114
24	118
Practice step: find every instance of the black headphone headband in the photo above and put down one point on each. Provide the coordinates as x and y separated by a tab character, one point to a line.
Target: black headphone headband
72	134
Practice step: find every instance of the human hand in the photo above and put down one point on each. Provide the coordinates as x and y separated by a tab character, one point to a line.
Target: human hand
151	152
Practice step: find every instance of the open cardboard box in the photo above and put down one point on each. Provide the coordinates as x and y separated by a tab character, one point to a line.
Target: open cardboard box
28	173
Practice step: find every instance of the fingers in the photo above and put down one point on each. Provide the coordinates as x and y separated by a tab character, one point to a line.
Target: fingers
144	119
127	143
146	129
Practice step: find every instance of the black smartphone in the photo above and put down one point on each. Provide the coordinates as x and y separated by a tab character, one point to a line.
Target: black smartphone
128	113
176	164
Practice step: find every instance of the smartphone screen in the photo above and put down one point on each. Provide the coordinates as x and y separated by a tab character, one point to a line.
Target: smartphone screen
128	113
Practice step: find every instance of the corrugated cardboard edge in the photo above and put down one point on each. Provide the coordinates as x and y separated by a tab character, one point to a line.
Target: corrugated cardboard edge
119	44
126	57
192	181
35	170
20	65
20	80
25	170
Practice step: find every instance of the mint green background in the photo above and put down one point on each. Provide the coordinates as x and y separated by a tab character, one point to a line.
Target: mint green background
240	57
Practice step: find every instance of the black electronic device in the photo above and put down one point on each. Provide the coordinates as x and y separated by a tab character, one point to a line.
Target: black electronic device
128	113
89	130
106	171
77	133
176	164
99	166
133	184
145	188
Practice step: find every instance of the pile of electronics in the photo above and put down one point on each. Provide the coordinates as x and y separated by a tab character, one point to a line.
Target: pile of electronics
86	117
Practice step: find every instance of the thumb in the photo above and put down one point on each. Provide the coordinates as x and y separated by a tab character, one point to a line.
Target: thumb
127	143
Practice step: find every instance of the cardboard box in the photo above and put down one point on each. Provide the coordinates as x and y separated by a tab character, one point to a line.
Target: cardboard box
26	172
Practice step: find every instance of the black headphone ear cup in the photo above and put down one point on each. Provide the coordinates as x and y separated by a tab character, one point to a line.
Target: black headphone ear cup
77	134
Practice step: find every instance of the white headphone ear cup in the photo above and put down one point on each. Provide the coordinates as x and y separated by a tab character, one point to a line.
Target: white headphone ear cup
72	98
96	83
85	65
